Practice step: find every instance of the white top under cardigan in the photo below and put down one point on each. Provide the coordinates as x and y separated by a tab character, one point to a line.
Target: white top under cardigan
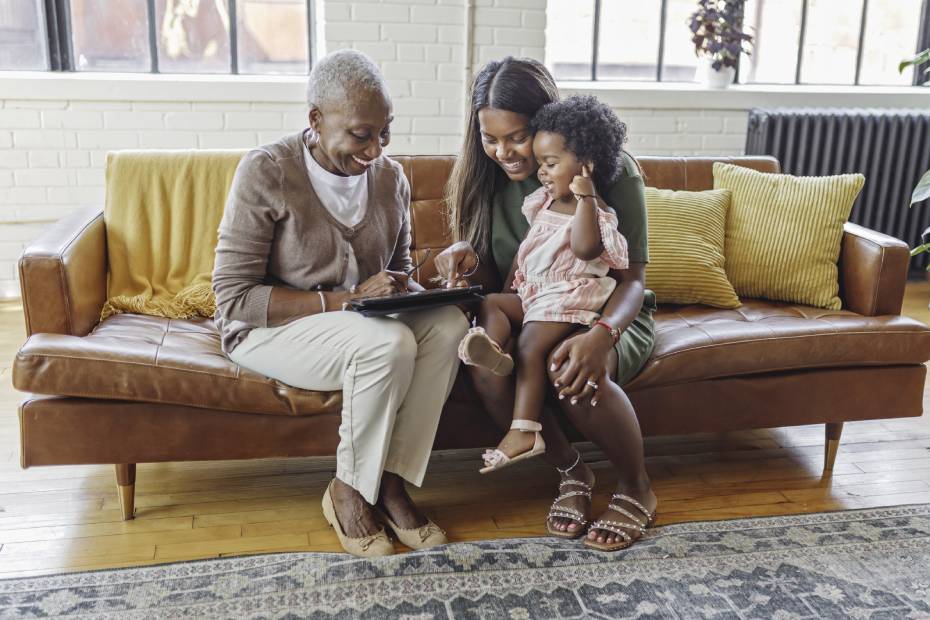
346	199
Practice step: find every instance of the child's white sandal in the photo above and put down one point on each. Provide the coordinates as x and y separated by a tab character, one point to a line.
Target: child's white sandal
476	336
495	459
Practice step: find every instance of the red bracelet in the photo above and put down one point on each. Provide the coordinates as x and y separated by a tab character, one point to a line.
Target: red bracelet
613	331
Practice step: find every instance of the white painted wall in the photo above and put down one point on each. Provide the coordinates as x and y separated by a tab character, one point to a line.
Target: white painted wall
55	130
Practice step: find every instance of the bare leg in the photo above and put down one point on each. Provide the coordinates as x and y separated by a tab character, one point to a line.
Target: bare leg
353	512
393	499
536	341
498	314
613	427
497	396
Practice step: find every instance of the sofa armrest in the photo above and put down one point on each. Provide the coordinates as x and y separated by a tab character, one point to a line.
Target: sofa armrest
873	271
63	276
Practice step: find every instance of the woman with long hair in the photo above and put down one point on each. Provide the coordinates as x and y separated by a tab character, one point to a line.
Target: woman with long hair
491	178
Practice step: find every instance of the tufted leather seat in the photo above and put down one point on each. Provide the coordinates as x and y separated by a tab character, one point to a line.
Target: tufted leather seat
177	362
694	343
158	360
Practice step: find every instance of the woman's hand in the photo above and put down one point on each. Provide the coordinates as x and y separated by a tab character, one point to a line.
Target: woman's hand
455	260
580	359
583	185
381	284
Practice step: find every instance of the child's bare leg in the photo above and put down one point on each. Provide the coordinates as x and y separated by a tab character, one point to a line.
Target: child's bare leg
497	315
536	341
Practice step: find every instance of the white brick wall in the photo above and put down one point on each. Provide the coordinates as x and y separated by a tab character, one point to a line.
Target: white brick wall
53	146
508	28
685	131
419	47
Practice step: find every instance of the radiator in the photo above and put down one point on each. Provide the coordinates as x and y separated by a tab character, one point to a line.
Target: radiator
890	147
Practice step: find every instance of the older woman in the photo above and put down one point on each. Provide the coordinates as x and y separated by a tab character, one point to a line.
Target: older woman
496	170
312	221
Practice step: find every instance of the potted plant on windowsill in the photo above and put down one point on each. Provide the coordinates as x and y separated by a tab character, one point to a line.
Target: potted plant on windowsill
718	38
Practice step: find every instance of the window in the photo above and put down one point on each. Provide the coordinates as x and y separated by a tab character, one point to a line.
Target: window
22	32
159	36
273	36
110	35
633	57
796	41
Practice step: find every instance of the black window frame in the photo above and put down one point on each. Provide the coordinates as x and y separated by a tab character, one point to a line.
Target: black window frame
922	43
61	47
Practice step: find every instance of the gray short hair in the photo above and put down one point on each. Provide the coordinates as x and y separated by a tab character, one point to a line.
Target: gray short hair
339	76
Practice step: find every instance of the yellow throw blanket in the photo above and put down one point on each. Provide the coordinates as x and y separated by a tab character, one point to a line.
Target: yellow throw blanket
163	209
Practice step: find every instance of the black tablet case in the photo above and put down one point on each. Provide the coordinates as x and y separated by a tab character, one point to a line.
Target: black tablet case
418	300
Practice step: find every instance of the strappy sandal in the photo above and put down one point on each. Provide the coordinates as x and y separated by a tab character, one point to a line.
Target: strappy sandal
495	459
477	345
620	528
567	512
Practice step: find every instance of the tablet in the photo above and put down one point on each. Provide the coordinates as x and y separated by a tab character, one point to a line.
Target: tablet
416	300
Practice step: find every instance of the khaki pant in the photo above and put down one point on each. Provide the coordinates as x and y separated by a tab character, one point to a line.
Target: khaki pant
395	374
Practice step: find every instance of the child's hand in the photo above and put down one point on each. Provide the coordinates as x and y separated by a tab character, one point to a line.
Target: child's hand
582	186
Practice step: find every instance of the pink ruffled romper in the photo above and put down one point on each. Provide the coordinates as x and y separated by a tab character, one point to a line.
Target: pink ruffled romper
554	284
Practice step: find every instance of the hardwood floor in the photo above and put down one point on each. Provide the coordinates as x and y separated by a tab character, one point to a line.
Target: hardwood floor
68	518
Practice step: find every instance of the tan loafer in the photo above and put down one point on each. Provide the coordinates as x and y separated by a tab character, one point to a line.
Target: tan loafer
375	545
424	537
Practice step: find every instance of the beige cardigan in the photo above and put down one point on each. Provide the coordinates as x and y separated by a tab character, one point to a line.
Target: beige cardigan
276	232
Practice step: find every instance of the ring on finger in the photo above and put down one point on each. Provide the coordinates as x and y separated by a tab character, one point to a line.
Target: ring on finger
593	384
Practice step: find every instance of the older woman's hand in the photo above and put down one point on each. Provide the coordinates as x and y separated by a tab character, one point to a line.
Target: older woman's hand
382	284
457	259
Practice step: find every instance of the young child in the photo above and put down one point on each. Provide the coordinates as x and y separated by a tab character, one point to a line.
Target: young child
561	269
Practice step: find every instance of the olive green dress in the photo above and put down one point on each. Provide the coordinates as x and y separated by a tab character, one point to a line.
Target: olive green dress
509	227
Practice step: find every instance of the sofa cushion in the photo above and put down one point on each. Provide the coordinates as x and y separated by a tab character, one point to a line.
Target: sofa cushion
686	238
154	359
179	362
783	233
696	342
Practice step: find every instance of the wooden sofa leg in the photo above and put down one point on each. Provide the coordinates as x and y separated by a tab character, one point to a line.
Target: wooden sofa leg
832	436
126	487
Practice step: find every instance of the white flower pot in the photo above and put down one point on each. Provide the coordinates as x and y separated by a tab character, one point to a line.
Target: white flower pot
705	74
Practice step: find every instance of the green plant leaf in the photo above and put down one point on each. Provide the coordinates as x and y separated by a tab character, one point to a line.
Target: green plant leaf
919	59
920	249
922	191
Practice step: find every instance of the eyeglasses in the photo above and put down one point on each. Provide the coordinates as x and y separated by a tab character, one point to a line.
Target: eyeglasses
410	271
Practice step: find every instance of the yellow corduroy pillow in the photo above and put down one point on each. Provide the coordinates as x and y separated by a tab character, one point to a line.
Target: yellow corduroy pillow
784	233
686	241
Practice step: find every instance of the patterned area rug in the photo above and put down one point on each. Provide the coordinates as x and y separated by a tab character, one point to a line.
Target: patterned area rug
860	564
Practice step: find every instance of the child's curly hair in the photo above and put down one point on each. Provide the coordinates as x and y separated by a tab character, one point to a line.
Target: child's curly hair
591	131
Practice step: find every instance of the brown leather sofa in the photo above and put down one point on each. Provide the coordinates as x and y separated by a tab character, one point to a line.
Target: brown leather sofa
138	389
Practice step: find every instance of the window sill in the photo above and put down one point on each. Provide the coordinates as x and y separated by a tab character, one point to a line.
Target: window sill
677	95
290	89
152	87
